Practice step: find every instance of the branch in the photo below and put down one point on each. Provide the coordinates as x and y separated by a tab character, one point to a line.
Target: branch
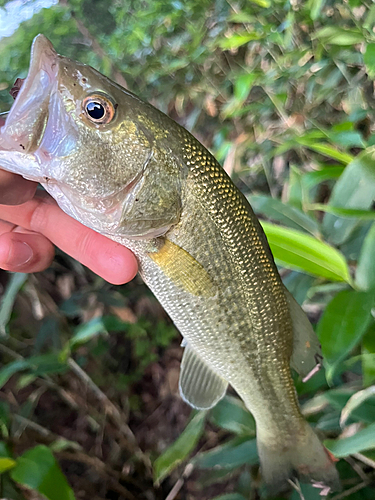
95	45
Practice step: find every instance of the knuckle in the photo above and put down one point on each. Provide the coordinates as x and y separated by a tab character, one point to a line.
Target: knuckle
86	246
39	217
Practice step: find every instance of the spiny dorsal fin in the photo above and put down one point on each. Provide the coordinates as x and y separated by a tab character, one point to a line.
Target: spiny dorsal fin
307	352
199	385
183	269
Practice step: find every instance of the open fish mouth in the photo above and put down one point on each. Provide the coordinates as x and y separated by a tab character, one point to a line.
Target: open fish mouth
27	118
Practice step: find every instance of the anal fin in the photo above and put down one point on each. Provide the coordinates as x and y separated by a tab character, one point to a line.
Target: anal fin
199	386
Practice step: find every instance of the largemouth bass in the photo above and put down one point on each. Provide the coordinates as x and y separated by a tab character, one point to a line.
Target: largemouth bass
123	168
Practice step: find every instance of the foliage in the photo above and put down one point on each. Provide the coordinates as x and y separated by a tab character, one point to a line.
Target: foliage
36	469
282	93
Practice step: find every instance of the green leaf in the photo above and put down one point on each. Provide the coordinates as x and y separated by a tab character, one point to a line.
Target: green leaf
298	284
355	190
62	444
354	402
369	59
315	7
39	365
329	151
349	213
340	397
361	441
238	39
4	420
6	464
242	87
9	489
365	273
369	21
311	179
295	188
262	3
37	469
229	456
10	369
343	324
347	139
241	17
281	212
338	36
230	496
368	356
87	331
181	448
296	250
6	306
4	450
231	414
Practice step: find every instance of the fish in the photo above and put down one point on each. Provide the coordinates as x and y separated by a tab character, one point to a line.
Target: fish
123	168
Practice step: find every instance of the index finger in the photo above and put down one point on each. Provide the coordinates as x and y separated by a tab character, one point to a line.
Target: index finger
110	260
14	189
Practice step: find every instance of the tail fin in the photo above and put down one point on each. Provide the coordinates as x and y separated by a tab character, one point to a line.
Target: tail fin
305	458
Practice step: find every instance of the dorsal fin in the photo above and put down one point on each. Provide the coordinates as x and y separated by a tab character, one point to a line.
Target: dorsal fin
307	352
199	385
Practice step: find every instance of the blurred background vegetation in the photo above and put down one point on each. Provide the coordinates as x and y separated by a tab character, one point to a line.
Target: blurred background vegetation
282	93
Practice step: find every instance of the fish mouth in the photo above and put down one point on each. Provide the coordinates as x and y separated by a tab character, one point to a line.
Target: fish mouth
24	126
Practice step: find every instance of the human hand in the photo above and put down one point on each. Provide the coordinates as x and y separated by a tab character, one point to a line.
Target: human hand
30	224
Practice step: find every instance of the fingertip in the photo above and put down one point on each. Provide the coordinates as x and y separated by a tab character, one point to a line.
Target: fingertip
23	252
118	265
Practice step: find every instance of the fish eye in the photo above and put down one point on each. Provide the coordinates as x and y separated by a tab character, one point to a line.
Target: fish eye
98	109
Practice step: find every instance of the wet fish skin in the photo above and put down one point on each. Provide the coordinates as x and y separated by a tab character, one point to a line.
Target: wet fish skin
147	183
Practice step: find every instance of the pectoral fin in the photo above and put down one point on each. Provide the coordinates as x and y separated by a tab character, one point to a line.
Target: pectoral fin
183	269
307	352
199	385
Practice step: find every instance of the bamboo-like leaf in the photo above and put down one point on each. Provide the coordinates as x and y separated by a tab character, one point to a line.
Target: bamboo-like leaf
6	464
296	250
37	469
338	36
365	274
87	331
6	306
361	441
350	213
238	39
230	455
181	448
286	214
343	324
230	496
369	59
311	179
231	414
354	190
329	151
356	400
315	7
368	355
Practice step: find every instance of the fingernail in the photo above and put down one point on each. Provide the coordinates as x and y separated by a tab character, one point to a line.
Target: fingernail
19	254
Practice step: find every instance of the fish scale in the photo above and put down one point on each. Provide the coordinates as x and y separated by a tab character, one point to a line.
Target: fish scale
267	331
